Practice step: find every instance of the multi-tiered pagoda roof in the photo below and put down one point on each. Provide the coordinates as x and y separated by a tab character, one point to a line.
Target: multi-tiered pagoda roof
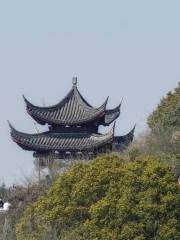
73	110
73	127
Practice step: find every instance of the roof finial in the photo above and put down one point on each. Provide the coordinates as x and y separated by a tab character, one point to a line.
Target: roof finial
74	81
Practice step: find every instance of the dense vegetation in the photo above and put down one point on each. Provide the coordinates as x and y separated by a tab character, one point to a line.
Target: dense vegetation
163	140
167	115
133	195
108	199
20	197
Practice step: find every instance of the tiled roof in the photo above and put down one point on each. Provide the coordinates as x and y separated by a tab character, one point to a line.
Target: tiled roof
50	141
72	110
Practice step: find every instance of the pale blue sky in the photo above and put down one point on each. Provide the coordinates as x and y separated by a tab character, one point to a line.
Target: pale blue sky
128	49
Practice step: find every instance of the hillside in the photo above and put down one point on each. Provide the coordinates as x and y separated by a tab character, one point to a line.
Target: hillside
109	199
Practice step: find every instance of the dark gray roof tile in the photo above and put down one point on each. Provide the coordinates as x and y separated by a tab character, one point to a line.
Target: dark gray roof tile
72	110
61	141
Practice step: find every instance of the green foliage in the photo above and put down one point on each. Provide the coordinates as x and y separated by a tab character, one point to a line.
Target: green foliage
108	199
158	145
163	141
167	114
19	197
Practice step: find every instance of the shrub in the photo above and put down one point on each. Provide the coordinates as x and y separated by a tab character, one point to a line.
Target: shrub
109	199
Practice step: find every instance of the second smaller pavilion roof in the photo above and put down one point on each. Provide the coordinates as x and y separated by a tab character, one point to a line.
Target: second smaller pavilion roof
111	115
126	139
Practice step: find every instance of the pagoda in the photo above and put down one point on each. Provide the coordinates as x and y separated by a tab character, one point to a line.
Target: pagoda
73	126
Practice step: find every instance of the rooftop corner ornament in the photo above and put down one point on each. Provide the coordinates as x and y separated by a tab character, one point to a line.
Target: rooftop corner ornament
73	128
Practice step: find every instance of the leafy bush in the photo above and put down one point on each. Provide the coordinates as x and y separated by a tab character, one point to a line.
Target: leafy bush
110	199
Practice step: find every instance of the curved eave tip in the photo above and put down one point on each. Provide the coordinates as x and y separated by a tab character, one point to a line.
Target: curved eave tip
103	106
11	126
27	102
24	97
133	130
121	103
134	127
106	101
113	128
118	108
9	123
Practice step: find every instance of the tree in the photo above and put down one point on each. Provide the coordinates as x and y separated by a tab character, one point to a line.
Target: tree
166	115
109	199
163	140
